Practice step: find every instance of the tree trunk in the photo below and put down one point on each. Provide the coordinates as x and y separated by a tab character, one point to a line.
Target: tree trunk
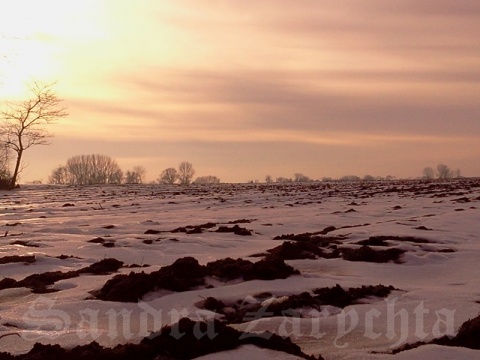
13	180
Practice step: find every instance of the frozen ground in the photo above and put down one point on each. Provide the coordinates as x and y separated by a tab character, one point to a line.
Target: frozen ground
437	284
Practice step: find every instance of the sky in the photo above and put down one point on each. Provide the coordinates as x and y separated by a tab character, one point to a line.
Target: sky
245	89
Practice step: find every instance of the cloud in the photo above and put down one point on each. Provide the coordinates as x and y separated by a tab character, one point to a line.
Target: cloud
359	82
406	102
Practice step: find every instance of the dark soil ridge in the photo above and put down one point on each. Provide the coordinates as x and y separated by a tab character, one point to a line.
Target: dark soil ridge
312	246
103	242
27	259
242	221
194	229
184	340
239	311
39	283
310	236
198	229
303	250
24	243
381	240
368	254
314	236
237	230
385	240
314	250
468	336
186	274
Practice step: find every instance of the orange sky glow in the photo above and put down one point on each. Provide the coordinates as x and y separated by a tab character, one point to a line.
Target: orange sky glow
245	89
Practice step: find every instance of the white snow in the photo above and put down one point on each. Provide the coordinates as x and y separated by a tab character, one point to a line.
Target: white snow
438	291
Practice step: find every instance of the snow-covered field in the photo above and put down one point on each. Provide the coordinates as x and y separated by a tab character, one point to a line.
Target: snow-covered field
435	228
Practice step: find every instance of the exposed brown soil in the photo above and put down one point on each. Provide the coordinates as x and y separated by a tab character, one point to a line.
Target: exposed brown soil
186	273
314	246
237	230
303	250
24	243
308	246
412	239
27	259
198	229
103	242
39	282
238	311
184	340
368	254
242	221
194	229
467	336
312	237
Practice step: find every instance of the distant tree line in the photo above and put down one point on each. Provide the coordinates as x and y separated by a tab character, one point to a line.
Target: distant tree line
101	169
184	176
301	178
94	169
297	177
207	180
442	172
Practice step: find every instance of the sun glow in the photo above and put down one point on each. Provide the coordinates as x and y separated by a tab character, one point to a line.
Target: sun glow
33	36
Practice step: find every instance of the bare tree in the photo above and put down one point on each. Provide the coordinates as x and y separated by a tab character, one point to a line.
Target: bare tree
185	173
141	173
268	179
443	171
60	176
136	176
168	176
207	180
130	177
24	122
4	168
349	178
93	169
4	162
428	173
298	177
